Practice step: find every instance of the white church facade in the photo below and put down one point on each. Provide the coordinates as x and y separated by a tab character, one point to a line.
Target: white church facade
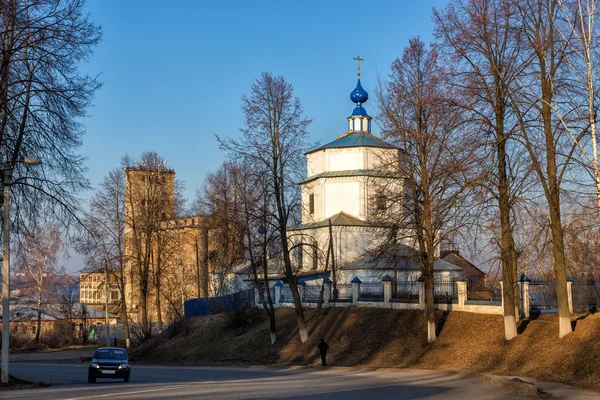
350	181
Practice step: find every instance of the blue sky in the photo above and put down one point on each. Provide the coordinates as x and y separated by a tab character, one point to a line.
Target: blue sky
174	71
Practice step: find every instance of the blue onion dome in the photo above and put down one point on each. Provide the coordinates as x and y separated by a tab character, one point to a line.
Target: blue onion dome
359	110
359	95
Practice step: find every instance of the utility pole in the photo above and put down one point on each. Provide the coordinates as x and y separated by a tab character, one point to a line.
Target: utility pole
106	303
197	267
331	249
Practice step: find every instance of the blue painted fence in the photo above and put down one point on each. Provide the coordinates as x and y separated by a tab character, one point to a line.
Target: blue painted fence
215	305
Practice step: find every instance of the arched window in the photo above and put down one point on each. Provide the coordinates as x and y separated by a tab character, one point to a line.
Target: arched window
381	202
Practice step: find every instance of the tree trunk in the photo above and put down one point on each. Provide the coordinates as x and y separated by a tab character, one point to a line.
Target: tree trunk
39	317
507	247
287	264
553	196
126	323
592	122
144	311
158	310
429	299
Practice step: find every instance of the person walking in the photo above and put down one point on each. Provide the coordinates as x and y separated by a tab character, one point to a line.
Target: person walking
323	347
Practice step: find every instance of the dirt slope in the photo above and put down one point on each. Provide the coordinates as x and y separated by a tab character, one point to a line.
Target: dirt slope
387	338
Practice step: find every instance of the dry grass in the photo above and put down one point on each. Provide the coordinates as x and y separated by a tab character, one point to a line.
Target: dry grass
393	339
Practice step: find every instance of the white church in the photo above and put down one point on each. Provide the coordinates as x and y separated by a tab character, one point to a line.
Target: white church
342	189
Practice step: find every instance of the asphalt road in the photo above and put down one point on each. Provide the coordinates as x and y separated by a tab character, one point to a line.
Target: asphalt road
159	382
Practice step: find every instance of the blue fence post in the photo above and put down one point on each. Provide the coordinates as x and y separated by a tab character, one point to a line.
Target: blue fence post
355	289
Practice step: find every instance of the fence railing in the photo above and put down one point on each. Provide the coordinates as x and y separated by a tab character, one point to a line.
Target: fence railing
406	290
371	291
535	295
272	292
343	292
542	294
311	293
586	294
444	290
286	295
478	291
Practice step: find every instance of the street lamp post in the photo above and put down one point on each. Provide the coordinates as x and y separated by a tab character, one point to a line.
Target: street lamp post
106	303
7	182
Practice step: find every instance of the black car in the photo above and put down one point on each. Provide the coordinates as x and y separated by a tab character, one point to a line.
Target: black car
109	362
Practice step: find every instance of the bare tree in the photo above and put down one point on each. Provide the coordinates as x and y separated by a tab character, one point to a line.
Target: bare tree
43	97
102	240
149	199
37	261
580	32
541	86
259	231
221	200
68	291
481	43
434	159
275	137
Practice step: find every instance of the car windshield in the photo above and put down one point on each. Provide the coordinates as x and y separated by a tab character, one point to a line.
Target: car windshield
107	354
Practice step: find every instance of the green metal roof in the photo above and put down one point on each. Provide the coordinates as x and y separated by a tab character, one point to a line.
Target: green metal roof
354	172
339	219
356	139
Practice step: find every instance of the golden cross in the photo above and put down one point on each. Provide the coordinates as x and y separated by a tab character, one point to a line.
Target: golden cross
357	58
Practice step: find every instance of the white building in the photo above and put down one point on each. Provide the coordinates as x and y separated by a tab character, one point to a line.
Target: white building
349	181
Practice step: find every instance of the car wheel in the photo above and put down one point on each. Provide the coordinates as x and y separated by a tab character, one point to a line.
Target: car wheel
126	379
91	378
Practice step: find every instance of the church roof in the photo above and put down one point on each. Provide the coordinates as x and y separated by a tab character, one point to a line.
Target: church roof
355	139
354	172
404	264
339	219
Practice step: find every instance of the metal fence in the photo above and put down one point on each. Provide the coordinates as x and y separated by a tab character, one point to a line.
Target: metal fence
272	290
477	291
344	292
286	295
215	305
444	290
586	294
311	293
542	295
371	290
406	290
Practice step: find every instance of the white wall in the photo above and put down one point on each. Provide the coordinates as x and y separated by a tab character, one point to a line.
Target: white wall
315	163
342	196
382	159
346	161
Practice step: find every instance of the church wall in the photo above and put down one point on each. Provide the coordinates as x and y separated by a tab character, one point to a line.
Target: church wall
315	163
346	159
315	188
342	196
381	159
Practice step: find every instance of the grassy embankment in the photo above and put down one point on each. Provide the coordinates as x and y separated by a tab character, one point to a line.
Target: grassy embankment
378	338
